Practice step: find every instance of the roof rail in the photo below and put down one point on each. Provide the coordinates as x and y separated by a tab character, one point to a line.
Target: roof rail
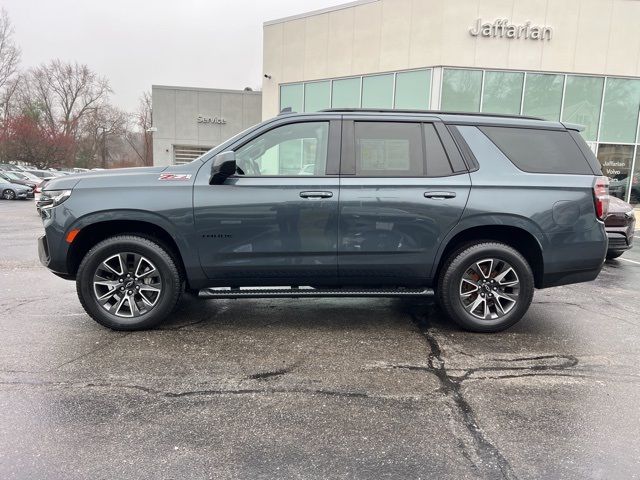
430	112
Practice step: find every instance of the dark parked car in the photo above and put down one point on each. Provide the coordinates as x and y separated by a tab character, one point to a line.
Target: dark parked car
477	210
13	191
620	224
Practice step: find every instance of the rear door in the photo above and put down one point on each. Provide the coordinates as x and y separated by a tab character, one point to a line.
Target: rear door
401	192
275	221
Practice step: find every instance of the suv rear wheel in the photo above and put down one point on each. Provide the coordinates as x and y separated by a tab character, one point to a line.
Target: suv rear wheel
128	282
486	287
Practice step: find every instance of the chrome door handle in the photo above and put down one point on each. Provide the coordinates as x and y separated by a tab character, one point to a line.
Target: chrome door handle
439	195
313	194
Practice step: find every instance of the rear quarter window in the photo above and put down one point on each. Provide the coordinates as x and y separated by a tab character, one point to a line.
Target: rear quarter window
540	151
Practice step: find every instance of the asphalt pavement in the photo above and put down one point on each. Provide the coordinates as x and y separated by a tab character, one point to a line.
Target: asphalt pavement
315	388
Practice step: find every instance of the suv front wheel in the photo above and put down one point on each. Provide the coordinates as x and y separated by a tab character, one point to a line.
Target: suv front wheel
486	287
128	282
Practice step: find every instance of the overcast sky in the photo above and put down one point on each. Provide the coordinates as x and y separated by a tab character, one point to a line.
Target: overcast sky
137	43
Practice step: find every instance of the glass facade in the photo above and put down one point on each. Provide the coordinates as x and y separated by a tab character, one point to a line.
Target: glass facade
461	90
413	89
607	106
502	92
317	96
543	96
582	100
377	91
620	112
292	96
346	93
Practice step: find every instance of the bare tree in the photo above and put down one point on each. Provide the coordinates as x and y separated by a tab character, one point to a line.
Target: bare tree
66	93
9	52
102	129
9	98
139	138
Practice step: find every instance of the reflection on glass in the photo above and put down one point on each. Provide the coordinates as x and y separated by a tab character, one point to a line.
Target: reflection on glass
291	96
377	91
346	93
635	182
291	150
543	96
582	99
502	92
413	89
620	110
316	96
461	90
616	164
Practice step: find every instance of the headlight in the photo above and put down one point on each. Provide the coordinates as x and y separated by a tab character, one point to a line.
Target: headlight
53	198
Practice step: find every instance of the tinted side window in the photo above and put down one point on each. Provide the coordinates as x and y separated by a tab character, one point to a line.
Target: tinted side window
539	151
384	149
438	164
290	150
587	152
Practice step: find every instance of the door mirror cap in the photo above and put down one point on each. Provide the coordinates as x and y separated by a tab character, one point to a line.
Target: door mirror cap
223	166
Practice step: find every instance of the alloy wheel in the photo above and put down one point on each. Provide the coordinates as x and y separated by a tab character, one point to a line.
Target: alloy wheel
127	285
8	194
489	288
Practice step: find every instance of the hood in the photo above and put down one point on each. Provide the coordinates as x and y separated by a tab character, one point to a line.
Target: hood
70	181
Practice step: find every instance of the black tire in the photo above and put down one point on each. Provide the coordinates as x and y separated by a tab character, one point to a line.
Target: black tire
8	194
166	272
612	255
460	263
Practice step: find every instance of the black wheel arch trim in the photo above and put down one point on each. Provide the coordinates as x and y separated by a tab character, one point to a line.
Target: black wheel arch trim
188	256
490	222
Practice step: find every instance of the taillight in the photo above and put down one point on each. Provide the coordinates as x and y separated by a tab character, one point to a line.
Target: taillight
601	196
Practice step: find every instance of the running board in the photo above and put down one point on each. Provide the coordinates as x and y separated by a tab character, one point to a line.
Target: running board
293	292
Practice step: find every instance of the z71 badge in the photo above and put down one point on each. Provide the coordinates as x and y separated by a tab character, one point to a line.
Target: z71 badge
174	176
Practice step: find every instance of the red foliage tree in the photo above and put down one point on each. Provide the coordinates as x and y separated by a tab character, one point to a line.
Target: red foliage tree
25	139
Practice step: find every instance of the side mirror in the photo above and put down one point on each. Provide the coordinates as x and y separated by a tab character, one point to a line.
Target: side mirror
223	166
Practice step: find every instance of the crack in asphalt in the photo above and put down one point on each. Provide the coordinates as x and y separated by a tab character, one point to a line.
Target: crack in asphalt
273	373
206	392
568	362
492	460
102	346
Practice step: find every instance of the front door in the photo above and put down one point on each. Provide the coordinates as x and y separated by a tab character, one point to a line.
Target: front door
275	221
400	194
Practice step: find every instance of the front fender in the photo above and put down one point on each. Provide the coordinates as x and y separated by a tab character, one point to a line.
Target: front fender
179	227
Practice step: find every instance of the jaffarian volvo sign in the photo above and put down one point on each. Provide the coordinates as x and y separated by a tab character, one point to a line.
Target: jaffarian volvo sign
503	29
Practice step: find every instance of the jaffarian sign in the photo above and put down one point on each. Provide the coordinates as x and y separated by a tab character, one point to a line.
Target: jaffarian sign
501	28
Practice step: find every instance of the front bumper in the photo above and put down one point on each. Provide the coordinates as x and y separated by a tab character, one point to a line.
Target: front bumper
43	251
53	255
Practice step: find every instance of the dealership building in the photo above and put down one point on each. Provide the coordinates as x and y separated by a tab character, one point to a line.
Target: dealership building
189	121
572	60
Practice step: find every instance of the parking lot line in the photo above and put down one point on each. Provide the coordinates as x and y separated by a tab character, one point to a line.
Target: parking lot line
632	261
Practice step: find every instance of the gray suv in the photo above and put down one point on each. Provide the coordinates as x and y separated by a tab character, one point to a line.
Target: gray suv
477	210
